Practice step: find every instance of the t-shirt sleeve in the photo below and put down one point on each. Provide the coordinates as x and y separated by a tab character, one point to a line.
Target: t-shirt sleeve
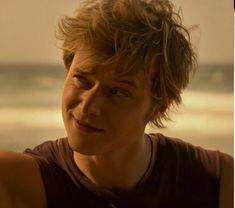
48	151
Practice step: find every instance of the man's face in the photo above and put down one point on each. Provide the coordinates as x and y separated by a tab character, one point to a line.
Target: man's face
103	111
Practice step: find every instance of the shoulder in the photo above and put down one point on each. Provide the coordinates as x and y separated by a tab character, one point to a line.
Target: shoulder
212	162
20	181
189	153
54	159
226	181
200	164
209	173
49	150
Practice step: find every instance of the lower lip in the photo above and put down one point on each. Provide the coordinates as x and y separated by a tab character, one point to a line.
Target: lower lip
86	128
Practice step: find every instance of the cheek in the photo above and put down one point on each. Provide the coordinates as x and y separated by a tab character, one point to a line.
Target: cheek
131	116
141	113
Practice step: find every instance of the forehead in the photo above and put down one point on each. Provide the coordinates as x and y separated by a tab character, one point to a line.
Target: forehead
99	64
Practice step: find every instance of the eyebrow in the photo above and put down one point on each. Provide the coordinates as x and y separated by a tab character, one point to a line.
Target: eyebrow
123	81
82	71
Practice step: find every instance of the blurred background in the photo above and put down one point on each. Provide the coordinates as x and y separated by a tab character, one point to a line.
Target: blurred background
31	75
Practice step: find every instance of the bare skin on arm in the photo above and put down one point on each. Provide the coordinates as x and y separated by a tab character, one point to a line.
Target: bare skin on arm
20	181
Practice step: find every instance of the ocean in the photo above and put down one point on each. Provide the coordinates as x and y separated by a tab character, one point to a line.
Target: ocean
30	107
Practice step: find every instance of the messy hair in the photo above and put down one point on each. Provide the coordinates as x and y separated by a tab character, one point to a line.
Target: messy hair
149	31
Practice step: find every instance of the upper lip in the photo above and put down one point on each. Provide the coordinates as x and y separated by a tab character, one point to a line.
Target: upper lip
87	125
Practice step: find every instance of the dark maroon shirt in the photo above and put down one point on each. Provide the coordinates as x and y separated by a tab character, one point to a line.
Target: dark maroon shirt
183	176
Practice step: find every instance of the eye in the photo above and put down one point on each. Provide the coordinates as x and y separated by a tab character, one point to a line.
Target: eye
80	80
120	92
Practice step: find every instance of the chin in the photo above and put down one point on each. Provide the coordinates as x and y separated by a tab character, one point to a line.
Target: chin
84	146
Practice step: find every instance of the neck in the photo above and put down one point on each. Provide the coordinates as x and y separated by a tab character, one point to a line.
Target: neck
120	169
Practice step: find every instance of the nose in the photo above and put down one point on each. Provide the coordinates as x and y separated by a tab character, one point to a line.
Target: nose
91	102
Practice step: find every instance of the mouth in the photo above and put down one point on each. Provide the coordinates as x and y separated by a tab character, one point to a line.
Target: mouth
85	127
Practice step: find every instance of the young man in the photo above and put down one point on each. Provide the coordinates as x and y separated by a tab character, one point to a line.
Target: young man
127	63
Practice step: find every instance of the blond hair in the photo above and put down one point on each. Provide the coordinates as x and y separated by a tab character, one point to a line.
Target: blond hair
148	31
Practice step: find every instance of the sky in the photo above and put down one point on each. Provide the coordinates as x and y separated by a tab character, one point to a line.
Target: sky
27	29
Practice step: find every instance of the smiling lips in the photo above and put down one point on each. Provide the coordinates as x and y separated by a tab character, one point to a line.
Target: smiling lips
86	127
